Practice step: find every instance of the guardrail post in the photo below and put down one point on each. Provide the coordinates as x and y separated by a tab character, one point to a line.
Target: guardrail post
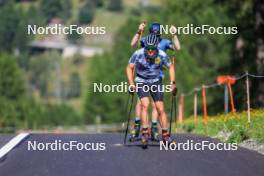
181	109
248	99
226	99
195	107
231	97
204	105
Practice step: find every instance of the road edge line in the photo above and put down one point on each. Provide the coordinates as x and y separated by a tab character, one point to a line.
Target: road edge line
12	144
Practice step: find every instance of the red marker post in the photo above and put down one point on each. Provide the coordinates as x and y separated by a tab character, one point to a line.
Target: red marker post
228	80
195	107
181	109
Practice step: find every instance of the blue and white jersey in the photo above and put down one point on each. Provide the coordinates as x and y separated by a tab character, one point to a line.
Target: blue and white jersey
163	45
148	70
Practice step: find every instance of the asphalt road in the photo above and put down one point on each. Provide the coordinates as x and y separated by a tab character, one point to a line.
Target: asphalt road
4	138
127	160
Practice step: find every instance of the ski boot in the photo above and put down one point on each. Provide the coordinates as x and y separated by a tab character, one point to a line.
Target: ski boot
167	139
145	138
134	134
154	133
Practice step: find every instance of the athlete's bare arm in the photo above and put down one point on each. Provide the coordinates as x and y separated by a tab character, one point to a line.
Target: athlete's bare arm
175	39
130	74
172	73
136	37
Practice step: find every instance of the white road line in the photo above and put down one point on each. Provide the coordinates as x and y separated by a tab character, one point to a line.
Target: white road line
12	143
117	145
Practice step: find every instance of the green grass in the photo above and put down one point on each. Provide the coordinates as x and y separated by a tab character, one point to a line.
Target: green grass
236	124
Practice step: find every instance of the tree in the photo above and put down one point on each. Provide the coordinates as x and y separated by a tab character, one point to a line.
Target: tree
259	23
74	85
67	9
98	3
86	13
12	29
42	72
51	8
35	16
11	78
115	5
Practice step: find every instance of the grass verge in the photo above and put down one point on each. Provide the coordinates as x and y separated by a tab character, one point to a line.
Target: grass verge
232	127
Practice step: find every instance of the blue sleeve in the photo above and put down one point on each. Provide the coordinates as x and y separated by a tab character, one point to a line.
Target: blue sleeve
133	58
169	44
166	60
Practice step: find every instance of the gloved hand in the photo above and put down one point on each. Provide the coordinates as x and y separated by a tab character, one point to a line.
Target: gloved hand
132	89
173	89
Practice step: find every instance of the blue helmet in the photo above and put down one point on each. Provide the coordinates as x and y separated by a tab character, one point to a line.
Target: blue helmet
151	40
154	28
151	43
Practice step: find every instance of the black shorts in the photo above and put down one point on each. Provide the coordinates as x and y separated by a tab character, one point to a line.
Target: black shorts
155	90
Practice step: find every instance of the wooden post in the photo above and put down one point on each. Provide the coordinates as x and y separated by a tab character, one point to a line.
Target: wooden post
226	99
248	99
180	114
182	107
195	107
231	97
204	105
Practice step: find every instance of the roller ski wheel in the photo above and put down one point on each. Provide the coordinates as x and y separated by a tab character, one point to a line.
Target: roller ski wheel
154	135
132	137
134	134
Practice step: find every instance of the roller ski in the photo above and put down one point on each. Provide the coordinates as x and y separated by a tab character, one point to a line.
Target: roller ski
145	138
154	133
166	138
134	134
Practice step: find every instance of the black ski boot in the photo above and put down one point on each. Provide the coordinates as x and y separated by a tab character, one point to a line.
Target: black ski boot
166	137
134	134
145	138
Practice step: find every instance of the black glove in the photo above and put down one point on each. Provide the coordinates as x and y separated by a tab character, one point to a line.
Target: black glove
174	89
131	89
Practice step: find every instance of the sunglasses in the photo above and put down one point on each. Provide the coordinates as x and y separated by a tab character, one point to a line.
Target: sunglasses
151	48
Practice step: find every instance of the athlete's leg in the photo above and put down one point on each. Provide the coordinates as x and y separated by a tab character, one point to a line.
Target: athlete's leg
144	119
144	99
144	111
154	114
136	128
138	110
154	123
162	114
157	95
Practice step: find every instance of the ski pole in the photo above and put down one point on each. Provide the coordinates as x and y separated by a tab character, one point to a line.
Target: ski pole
128	115
171	113
173	108
140	35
